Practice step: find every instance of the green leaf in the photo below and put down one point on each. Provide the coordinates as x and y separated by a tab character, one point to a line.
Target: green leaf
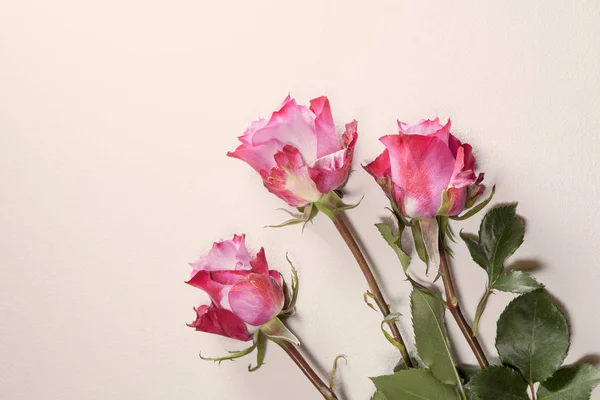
430	336
400	365
395	243
532	336
496	382
500	235
467	372
378	395
414	384
573	382
475	249
517	282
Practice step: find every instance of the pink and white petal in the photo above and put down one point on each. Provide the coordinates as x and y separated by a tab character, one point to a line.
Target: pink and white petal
461	175
259	157
203	322
229	278
330	172
427	128
380	167
220	322
277	276
291	125
256	299
225	255
328	180
350	135
217	292
259	263
454	144
422	166
469	158
291	181
454	201
328	140
254	126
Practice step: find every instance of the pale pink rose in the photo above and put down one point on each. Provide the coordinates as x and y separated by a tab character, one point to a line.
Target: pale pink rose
245	294
297	151
426	171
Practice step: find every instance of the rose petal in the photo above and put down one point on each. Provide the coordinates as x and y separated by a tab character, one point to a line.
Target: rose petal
454	202
259	157
427	128
422	166
380	167
331	172
225	255
291	181
217	291
256	299
211	319
461	175
328	140
291	125
277	276
259	263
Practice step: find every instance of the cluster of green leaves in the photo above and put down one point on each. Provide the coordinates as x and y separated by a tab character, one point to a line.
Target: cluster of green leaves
532	340
500	234
532	334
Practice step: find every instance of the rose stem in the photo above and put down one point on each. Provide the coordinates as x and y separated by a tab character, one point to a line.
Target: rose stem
339	221
305	367
454	306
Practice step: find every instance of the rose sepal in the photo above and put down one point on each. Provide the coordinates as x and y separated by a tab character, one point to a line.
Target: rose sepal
235	354
291	294
477	208
331	204
277	332
308	213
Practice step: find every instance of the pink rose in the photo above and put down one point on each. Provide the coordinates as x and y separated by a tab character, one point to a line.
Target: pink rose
297	151
426	171
244	293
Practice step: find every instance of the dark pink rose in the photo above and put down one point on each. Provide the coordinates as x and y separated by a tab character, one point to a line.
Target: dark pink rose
245	294
426	171
297	151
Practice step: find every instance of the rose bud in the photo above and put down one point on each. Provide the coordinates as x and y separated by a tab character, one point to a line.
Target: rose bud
426	171
297	151
244	293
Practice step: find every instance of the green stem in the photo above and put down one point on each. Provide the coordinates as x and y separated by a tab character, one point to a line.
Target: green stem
480	309
305	367
454	306
346	233
461	387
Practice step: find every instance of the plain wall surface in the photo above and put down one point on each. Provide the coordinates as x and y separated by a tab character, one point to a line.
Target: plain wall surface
115	117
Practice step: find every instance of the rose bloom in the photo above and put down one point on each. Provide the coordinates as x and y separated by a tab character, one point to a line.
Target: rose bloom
244	293
426	171
297	151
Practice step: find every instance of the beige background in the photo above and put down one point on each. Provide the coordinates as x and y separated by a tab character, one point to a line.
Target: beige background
115	117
